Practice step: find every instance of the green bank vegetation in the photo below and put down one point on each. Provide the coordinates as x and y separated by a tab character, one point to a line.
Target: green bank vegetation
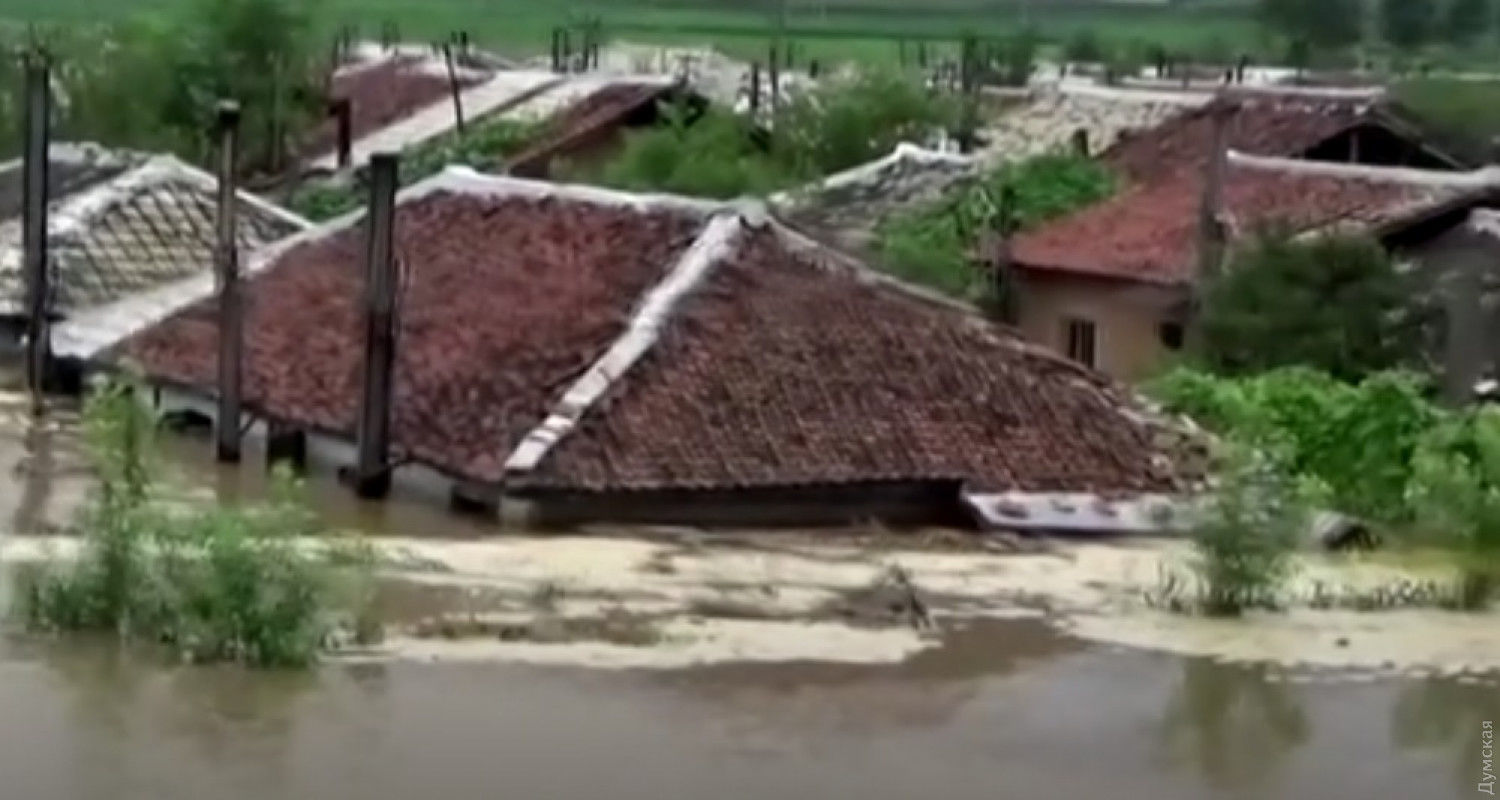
933	244
212	583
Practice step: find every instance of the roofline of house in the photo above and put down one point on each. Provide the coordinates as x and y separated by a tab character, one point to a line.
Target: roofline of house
1488	176
791	199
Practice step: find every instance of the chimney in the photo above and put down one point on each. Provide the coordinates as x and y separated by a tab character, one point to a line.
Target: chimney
34	225
231	312
372	477
1211	233
342	110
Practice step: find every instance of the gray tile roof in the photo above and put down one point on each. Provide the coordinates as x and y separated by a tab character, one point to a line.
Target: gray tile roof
130	224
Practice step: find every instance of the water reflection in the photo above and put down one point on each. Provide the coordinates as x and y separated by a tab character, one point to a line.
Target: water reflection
1232	723
1444	716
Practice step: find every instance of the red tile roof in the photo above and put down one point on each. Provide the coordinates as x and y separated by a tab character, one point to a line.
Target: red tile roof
379	95
508	299
780	372
585	121
1149	233
770	371
1266	126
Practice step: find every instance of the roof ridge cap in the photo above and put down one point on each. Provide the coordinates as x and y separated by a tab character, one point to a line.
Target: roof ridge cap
717	240
1475	178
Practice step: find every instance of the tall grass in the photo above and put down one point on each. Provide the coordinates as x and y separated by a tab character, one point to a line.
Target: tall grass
214	584
1244	540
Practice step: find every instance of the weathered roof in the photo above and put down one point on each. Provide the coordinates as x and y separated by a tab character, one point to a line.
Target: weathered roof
586	121
1050	118
575	338
1263	123
844	209
1148	233
381	92
130	223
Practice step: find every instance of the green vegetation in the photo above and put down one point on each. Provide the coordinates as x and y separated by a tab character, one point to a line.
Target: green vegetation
839	124
1379	451
932	245
1464	114
1408	24
484	146
1332	303
1250	526
215	584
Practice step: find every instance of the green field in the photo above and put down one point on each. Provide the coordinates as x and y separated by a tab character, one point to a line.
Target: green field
825	29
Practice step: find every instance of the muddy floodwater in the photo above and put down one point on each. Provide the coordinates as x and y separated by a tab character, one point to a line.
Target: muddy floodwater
1003	710
650	664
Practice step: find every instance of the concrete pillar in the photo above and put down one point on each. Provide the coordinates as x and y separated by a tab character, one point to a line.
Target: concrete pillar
34	226
372	477
231	312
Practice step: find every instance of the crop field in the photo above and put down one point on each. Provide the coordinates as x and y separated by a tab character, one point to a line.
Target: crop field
828	29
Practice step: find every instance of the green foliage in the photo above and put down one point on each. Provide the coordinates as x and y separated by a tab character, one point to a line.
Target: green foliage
483	147
712	156
213	584
1249	528
1465	21
1408	24
1454	493
1357	441
1331	303
838	125
931	245
846	122
1084	46
1324	23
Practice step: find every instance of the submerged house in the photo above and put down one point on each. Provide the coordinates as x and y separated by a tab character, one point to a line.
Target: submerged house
572	353
121	225
1108	285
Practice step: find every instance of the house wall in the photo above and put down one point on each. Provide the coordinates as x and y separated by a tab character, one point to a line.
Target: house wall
1127	317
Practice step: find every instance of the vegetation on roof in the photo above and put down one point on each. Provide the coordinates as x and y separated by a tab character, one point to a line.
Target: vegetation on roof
484	146
840	124
933	245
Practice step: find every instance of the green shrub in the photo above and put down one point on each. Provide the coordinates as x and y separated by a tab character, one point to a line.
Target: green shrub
1454	492
712	156
1243	543
218	583
931	245
849	121
1332	303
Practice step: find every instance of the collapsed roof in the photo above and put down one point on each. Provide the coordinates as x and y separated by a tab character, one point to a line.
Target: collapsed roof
574	339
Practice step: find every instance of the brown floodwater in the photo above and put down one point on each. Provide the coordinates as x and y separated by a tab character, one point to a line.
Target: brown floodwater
1002	710
1006	710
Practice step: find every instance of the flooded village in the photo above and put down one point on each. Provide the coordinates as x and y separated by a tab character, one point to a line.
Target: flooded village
648	421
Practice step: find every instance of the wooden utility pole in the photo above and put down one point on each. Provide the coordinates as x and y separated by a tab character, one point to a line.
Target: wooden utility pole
34	189
227	264
1211	236
454	89
372	476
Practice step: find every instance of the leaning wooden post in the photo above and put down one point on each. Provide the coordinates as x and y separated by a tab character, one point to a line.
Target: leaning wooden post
372	477
34	226
1212	237
453	87
342	110
227	264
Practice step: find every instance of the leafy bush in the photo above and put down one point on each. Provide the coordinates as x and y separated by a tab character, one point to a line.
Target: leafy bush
931	245
1249	528
483	147
1455	496
712	156
840	124
1357	441
213	584
1332	303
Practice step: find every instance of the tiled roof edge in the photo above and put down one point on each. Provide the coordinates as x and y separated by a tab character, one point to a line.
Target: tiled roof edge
1127	94
713	245
1478	178
78	210
79	153
1086	512
904	151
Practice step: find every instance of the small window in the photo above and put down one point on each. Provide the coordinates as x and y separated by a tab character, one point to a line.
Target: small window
1171	335
1081	339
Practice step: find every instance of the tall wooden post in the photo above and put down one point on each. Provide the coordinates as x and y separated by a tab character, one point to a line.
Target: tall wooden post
34	226
453	88
342	110
231	312
372	477
1211	236
754	89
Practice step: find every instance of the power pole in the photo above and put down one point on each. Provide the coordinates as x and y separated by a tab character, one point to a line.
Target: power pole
34	225
231	316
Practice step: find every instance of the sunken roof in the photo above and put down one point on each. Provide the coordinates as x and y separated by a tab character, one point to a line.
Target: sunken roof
121	223
572	338
1149	233
590	119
